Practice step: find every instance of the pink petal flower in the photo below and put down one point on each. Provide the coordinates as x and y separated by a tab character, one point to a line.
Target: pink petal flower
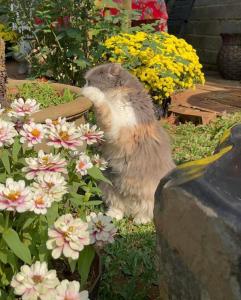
90	134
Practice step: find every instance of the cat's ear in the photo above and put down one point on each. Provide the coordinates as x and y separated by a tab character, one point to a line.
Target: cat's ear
114	70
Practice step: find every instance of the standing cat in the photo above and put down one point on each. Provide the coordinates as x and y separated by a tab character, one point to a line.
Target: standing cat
136	147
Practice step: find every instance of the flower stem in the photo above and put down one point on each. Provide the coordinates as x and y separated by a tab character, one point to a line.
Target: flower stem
7	219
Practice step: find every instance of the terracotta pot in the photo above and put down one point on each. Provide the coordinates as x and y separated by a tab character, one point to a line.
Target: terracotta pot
73	111
229	57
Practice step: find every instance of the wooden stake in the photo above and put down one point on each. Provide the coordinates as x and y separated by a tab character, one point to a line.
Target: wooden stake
126	23
3	75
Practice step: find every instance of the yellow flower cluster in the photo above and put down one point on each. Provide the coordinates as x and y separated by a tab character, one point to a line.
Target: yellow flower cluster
6	34
163	62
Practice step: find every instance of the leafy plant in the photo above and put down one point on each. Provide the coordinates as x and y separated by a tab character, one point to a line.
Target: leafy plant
192	142
45	93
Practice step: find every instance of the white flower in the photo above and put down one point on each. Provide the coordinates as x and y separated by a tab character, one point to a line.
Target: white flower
64	135
52	123
68	236
83	164
22	108
44	163
90	134
35	282
15	196
32	134
40	202
7	133
69	290
52	184
99	162
101	228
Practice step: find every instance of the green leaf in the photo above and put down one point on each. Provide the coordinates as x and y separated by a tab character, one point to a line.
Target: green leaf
72	264
52	213
3	257
95	173
5	161
16	148
85	260
2	223
3	177
11	238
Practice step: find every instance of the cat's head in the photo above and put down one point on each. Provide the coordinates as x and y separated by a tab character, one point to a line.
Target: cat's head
108	76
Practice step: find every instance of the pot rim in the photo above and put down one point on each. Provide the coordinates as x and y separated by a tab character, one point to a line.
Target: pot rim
71	110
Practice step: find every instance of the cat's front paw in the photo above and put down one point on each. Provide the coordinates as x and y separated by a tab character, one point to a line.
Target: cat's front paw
94	94
141	220
115	213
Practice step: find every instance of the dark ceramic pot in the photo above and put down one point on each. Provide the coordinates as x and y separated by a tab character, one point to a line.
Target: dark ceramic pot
229	57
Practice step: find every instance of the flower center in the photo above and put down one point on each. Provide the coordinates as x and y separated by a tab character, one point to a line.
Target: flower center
50	185
81	165
99	225
13	196
37	278
64	135
25	107
39	201
45	160
55	122
35	132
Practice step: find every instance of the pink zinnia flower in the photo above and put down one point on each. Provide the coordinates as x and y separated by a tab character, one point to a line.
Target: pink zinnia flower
64	135
7	133
101	228
22	108
32	134
35	282
83	164
44	163
90	134
14	196
68	236
69	290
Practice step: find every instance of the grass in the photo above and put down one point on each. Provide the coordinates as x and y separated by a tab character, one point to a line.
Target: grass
130	271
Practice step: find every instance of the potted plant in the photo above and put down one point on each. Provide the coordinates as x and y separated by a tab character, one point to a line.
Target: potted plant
57	100
49	232
164	63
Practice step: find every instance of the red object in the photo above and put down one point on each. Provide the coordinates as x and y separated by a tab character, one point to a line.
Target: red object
149	9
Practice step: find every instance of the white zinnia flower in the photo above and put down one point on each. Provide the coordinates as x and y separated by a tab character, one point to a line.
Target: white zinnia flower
35	282
101	228
40	202
22	108
68	236
32	134
52	123
83	164
64	135
52	184
99	162
15	196
69	290
7	133
90	134
44	163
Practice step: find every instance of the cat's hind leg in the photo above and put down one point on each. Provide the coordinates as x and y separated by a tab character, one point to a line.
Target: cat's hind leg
113	201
